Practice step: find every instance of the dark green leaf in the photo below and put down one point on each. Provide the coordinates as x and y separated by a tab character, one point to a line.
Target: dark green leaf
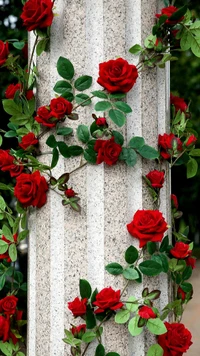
164	244
2	281
90	155
67	95
118	137
18	45
123	107
85	289
55	157
148	152
187	273
186	287
192	167
83	83
150	268
63	148
65	68
82	98
114	268
42	46
75	150
99	94
136	142
62	86
90	318
117	96
131	255
129	156
117	117
83	133
51	141
151	247
93	297
155	294
179	13
65	131
102	106
100	350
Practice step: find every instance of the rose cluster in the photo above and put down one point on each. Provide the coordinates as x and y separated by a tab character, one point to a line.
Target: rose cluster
57	110
9	316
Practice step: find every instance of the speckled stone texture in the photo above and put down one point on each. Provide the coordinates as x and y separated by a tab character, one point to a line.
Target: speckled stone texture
64	245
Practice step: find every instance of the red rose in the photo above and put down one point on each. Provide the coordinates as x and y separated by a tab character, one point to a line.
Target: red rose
101	121
181	294
31	189
156	178
37	14
107	299
29	94
108	151
7	163
70	193
179	103
11	90
169	144
4	328
6	255
176	340
191	140
147	225
78	331
117	75
78	306
190	261
44	117
8	305
174	201
146	313
28	140
60	107
180	250
169	11
4	52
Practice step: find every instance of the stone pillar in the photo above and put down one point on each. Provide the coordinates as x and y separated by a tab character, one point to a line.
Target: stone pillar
64	245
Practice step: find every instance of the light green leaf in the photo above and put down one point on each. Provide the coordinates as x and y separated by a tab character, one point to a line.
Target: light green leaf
133	326
123	107
7	233
156	326
132	307
117	117
122	316
88	336
12	251
136	142
130	273
155	350
135	49
102	106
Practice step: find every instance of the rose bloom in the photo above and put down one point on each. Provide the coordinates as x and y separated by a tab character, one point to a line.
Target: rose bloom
78	306
107	299
156	178
28	140
4	328
174	201
169	144
8	305
147	225
78	331
60	107
12	88
190	261
101	121
37	14
5	255
169	11
180	250
117	75
178	103
69	193
146	312
4	52
7	164
181	294
176	340
191	140
44	117
108	151
31	189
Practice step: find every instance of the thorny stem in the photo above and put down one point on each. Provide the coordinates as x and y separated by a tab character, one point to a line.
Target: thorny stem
31	59
83	102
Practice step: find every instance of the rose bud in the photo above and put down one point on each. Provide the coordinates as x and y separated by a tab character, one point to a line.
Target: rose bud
174	201
70	193
146	312
169	11
191	140
180	250
101	121
156	178
28	141
78	306
178	103
78	331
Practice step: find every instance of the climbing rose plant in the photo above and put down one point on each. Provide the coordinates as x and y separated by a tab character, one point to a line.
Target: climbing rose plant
99	143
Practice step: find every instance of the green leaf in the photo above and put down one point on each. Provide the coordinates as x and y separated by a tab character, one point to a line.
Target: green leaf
136	142
99	94
155	350
75	150
51	141
10	134
64	131
11	107
132	307
119	138
133	326
186	287
135	49
5	187
3	246
150	268
129	156
123	107
102	106
195	46
22	235
187	273
114	268
83	133
122	316
151	247
62	86
65	68
41	46
192	167
90	318
89	336
195	152
179	13
148	152
155	294
117	117
81	98
64	149
67	95
130	273
55	157
131	254
117	96
162	260
164	244
83	83
100	350
7	233
150	41
19	353
2	283
2	203
18	45
112	354
90	155
156	326
12	251
85	289
1	140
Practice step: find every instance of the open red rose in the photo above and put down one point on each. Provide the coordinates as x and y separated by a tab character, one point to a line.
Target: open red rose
60	107
169	144
191	140
8	305
156	178
108	151
180	250
106	299
70	193
179	103
117	75
4	328
5	255
10	164
4	52
28	140
147	225
31	189
78	331
78	306
146	312
176	340
37	14
169	11
44	117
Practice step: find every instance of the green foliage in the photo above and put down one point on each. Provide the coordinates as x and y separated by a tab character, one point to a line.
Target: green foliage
65	68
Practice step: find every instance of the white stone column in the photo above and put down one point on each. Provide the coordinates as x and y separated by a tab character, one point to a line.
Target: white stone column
64	245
